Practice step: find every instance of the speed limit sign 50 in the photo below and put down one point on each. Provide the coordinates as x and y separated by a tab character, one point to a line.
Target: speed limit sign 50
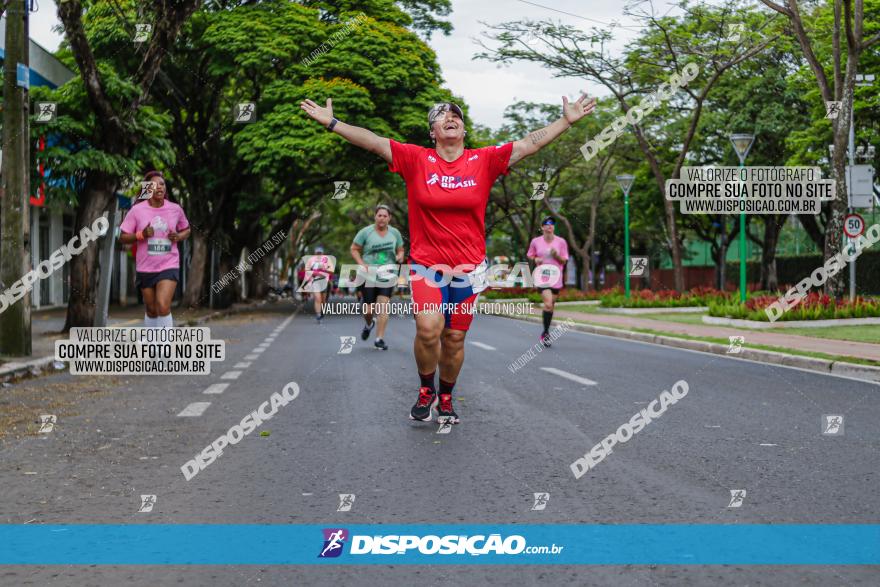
853	225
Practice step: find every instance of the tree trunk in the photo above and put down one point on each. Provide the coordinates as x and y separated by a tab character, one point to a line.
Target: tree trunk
835	286
769	280
195	285
84	267
258	285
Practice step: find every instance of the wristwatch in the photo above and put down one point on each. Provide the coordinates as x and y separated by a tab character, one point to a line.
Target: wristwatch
332	124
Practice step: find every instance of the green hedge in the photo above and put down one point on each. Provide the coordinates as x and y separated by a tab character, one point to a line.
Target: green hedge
791	270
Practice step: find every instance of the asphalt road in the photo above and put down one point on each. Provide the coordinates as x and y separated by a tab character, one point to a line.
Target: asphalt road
742	425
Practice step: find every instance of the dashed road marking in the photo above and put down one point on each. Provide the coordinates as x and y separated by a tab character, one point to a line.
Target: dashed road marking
194	409
231	375
216	388
569	376
482	345
258	350
251	357
243	365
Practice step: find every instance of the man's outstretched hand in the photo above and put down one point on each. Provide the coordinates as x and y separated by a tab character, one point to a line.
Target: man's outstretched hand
576	110
323	115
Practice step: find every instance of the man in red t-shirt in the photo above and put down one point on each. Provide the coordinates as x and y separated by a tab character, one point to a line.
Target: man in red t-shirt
447	188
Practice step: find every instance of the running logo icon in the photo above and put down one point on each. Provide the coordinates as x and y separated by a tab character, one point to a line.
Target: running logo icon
736	344
433	179
334	540
735	32
147	503
346	344
539	189
736	498
47	423
340	189
832	109
142	32
245	112
445	426
346	500
46	111
832	425
639	264
541	500
147	188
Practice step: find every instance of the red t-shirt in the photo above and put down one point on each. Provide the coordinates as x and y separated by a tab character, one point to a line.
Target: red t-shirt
447	201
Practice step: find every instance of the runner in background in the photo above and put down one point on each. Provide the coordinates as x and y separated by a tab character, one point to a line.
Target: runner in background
374	246
551	251
156	225
318	279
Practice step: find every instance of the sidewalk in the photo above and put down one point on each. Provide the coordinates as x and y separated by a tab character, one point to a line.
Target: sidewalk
860	350
47	324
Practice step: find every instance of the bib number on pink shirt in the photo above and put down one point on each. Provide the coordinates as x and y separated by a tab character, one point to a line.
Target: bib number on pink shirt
158	246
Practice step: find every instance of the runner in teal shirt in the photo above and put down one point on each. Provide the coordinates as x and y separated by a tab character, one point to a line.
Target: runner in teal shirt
375	245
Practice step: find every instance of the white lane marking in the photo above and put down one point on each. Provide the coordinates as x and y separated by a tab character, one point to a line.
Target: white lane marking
570	376
251	357
767	444
270	339
194	409
216	388
258	350
231	375
243	365
712	425
263	345
482	345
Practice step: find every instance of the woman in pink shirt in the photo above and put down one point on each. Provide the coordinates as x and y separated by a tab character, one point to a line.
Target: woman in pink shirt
156	225
550	253
318	278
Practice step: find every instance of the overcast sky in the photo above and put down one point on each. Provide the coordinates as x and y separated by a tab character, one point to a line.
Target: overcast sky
487	89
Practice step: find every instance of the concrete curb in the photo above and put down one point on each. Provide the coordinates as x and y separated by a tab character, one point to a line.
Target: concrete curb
16	370
757	325
854	370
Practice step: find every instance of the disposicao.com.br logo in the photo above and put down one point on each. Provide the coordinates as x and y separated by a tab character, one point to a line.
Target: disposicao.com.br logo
334	541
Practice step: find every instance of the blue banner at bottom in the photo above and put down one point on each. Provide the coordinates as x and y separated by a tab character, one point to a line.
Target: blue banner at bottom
636	544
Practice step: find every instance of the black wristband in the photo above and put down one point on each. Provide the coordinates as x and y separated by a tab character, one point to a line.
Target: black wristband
332	124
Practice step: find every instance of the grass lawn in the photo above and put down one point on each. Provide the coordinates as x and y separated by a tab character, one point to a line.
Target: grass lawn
725	341
868	333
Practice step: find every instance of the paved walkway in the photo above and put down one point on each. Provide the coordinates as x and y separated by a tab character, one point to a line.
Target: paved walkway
862	350
46	326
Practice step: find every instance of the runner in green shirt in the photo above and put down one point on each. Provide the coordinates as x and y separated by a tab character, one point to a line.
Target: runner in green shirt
375	245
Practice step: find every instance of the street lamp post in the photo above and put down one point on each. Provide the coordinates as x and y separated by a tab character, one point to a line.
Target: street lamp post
741	144
625	182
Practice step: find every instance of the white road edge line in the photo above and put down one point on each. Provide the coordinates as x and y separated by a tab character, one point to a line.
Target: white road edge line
482	345
570	376
194	409
216	388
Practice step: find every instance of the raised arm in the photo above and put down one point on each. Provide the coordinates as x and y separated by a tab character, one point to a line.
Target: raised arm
537	140
357	136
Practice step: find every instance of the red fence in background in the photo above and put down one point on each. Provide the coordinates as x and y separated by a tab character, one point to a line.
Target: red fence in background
665	279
